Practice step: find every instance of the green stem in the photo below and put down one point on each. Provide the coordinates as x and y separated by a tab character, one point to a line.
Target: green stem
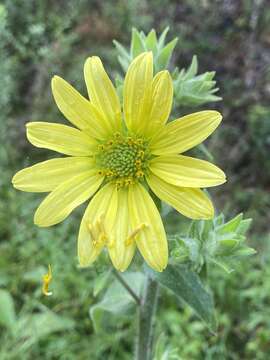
127	287
146	315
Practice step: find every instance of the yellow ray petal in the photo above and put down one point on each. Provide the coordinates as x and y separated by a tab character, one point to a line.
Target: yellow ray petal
61	138
186	171
78	110
101	211
151	240
122	250
190	202
102	93
66	197
162	97
47	175
138	92
185	133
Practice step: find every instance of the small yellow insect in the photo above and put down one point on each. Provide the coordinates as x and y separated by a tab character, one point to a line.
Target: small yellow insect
47	278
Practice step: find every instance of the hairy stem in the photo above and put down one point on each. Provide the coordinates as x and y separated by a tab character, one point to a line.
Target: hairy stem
146	315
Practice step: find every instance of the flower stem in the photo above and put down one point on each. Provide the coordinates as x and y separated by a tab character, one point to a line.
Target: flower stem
127	287
146	315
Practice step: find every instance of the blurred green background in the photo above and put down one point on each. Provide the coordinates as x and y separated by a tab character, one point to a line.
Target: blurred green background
42	38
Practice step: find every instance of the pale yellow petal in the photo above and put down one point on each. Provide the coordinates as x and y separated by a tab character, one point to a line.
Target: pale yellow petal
193	203
47	175
186	132
61	138
138	92
77	109
186	171
162	97
101	212
102	93
151	239
66	197
122	250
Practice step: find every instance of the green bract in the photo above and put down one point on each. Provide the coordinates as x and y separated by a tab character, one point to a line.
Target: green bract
190	88
213	242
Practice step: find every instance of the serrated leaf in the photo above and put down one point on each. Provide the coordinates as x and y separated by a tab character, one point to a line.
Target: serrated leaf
7	310
187	285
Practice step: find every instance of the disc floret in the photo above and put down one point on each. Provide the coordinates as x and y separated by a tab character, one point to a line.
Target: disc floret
123	159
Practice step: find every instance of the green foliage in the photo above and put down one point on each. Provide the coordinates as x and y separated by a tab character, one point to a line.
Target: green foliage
41	38
140	42
213	242
190	89
116	301
7	311
193	90
187	285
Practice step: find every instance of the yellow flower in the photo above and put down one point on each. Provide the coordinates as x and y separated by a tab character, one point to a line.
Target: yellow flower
115	157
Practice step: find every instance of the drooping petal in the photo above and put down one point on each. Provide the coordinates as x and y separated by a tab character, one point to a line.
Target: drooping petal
186	171
47	175
122	250
61	138
138	92
101	211
102	93
190	202
184	133
151	238
66	197
77	109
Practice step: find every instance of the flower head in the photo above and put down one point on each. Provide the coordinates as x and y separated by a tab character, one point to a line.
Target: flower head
114	157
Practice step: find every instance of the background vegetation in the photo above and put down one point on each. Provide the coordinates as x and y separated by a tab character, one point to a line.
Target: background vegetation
42	38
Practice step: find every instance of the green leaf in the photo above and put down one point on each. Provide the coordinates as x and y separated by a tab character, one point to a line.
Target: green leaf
7	311
187	286
161	40
244	226
122	51
117	300
137	45
223	264
151	41
32	328
100	282
165	55
193	68
231	225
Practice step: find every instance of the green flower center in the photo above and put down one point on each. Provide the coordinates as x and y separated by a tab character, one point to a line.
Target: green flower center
123	159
